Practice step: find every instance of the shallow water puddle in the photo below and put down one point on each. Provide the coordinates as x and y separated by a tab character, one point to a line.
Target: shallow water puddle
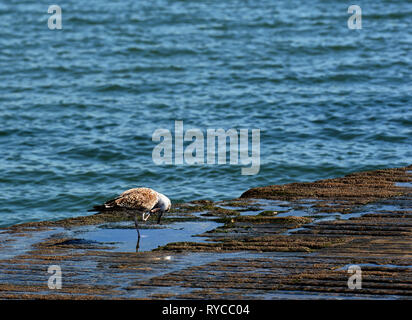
124	239
373	208
404	184
258	206
13	245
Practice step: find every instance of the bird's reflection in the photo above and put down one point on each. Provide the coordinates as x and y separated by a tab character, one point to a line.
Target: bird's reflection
145	217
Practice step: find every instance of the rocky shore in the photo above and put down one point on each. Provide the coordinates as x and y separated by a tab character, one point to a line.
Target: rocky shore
288	241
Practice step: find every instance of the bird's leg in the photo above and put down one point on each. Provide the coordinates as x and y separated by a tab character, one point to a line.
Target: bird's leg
159	213
159	217
138	233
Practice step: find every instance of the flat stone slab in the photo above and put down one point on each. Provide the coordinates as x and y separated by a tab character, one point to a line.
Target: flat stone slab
295	241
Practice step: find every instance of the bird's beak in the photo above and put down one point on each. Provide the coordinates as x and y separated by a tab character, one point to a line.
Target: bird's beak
145	216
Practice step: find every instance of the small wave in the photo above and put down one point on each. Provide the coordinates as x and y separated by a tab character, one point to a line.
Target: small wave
112	88
384	16
86	20
96	153
387	137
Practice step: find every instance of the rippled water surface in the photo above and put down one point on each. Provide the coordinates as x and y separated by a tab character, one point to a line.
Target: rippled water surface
78	106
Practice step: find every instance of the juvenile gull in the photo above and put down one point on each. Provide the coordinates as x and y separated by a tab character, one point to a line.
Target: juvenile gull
144	201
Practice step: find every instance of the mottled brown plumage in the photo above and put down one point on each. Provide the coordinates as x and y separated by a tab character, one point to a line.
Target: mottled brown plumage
141	199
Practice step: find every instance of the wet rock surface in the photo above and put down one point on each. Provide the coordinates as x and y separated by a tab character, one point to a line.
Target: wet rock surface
277	242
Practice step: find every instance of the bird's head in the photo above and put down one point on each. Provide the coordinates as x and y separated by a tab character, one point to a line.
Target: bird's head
164	203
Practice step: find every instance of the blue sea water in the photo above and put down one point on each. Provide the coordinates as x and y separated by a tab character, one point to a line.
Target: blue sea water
78	106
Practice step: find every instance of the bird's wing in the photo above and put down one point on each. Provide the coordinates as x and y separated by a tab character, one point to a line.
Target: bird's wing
138	198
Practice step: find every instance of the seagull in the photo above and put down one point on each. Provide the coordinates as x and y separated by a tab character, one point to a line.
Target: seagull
143	201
